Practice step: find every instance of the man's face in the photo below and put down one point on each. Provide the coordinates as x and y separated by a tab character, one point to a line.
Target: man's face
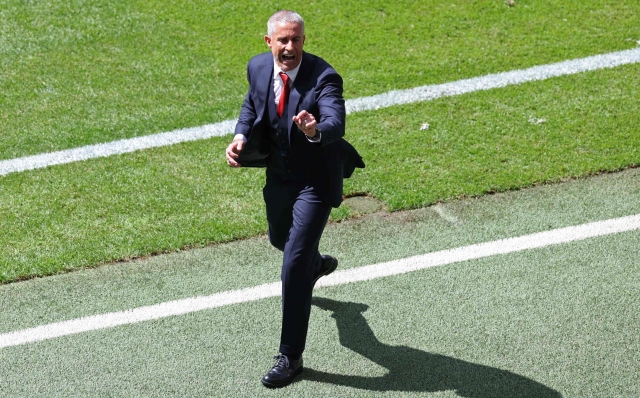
286	45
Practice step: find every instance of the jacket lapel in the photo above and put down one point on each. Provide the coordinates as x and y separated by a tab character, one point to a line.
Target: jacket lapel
299	88
262	83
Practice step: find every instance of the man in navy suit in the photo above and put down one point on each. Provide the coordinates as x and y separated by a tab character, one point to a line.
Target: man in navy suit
292	122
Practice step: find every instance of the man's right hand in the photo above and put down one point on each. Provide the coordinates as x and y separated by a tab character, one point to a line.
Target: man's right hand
233	151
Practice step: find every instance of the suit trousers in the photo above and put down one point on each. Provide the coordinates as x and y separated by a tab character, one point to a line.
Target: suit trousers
297	217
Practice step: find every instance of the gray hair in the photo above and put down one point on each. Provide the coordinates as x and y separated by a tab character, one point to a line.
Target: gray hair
284	16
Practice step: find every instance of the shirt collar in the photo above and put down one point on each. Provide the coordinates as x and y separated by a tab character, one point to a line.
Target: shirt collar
292	73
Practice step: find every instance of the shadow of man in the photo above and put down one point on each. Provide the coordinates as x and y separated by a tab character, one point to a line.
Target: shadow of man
410	369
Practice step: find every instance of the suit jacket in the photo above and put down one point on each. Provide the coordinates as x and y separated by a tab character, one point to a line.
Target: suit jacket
318	90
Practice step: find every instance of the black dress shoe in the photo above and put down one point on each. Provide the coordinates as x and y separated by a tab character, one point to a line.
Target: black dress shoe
283	372
329	264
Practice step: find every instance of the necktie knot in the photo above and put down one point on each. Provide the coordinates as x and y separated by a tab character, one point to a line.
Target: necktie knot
285	78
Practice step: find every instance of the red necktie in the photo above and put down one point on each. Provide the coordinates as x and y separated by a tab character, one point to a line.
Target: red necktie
284	94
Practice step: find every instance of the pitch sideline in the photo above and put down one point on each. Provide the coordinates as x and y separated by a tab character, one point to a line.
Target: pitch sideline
396	267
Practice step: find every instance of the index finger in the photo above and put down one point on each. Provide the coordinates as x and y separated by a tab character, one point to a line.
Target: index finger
302	114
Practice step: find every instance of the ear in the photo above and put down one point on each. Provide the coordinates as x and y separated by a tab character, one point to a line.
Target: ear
267	40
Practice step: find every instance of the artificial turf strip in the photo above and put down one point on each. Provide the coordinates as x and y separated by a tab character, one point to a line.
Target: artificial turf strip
87	213
86	71
547	323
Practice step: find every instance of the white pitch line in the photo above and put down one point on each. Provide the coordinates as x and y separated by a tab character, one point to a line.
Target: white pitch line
396	97
181	307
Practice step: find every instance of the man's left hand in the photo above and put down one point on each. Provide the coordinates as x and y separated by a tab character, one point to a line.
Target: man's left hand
306	123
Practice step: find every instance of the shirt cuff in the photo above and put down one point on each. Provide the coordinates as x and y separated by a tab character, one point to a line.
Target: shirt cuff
240	136
315	138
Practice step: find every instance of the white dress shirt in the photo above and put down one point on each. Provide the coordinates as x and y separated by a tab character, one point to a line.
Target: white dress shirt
278	84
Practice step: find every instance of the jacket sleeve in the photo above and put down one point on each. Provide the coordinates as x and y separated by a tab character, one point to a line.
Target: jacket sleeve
247	113
331	107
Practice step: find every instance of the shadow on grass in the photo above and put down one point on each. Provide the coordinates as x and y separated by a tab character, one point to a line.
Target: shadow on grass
410	369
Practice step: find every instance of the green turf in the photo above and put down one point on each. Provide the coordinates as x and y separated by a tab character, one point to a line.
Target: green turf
89	71
549	322
86	72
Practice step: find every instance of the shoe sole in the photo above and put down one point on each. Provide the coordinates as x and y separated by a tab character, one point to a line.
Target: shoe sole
284	384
